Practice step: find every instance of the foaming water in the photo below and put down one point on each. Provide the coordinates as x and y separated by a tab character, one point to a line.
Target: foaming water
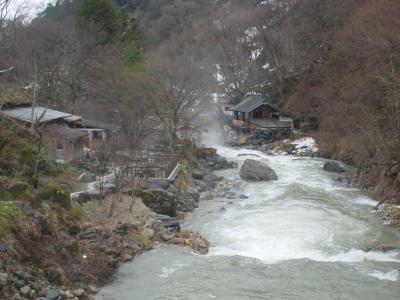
391	275
304	236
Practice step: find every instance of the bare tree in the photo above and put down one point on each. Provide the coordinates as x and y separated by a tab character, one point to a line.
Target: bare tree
174	88
8	22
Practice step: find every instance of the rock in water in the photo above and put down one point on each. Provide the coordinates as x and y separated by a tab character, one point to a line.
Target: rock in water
332	166
191	239
257	171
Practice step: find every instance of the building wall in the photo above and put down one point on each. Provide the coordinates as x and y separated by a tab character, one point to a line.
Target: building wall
63	148
264	110
93	143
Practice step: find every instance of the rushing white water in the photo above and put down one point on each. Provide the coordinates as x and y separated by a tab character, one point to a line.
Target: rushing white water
302	237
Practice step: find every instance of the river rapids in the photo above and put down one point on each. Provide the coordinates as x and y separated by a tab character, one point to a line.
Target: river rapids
305	236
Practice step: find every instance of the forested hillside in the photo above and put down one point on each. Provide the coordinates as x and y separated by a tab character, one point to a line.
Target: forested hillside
333	64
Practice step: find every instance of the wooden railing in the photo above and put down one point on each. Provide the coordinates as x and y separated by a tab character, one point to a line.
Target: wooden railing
151	165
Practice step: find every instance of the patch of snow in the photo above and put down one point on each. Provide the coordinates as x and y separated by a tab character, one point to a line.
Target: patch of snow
306	144
218	75
254	54
251	33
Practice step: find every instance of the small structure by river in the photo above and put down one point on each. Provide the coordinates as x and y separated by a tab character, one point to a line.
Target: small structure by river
256	112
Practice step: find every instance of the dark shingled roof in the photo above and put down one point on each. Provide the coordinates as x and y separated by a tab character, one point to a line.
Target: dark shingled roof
252	102
65	132
249	104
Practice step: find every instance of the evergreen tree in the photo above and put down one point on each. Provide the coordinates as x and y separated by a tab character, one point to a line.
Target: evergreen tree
102	13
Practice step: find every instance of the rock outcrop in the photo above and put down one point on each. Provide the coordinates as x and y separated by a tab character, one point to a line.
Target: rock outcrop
332	166
160	201
209	158
388	189
188	201
190	239
257	171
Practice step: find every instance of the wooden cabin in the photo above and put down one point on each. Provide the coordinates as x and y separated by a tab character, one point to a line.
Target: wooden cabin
97	133
65	135
256	112
64	143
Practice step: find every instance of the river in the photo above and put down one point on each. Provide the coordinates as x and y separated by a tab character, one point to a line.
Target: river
302	237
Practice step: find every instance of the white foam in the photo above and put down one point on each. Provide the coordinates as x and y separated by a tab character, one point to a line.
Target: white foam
356	255
393	275
304	214
365	201
167	271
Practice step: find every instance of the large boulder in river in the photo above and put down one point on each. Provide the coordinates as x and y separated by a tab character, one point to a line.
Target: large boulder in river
257	171
332	166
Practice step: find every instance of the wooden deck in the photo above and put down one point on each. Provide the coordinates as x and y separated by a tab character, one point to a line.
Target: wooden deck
270	123
263	123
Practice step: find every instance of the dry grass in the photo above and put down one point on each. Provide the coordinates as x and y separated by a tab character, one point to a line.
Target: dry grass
96	212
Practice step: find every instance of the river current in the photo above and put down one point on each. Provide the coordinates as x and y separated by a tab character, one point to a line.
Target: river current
305	236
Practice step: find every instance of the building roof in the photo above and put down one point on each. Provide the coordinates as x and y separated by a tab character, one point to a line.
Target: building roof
85	123
65	132
252	102
249	104
25	114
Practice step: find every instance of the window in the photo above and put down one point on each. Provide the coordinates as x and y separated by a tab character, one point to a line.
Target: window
59	145
97	135
275	116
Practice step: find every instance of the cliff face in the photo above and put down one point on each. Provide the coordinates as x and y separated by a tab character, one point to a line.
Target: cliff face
388	189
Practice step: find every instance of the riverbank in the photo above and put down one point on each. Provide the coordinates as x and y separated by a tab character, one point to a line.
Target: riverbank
305	227
65	252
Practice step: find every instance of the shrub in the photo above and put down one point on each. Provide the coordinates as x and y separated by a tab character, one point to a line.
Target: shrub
8	211
47	164
56	193
19	188
5	195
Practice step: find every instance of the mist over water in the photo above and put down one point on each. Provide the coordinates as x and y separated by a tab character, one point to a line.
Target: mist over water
302	237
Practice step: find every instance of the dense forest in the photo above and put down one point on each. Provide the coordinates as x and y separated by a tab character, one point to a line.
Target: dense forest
333	64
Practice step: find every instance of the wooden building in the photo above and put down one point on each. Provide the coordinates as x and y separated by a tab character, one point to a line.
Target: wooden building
255	111
65	143
97	133
64	134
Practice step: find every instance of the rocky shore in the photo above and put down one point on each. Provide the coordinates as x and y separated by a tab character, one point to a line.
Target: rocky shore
61	253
